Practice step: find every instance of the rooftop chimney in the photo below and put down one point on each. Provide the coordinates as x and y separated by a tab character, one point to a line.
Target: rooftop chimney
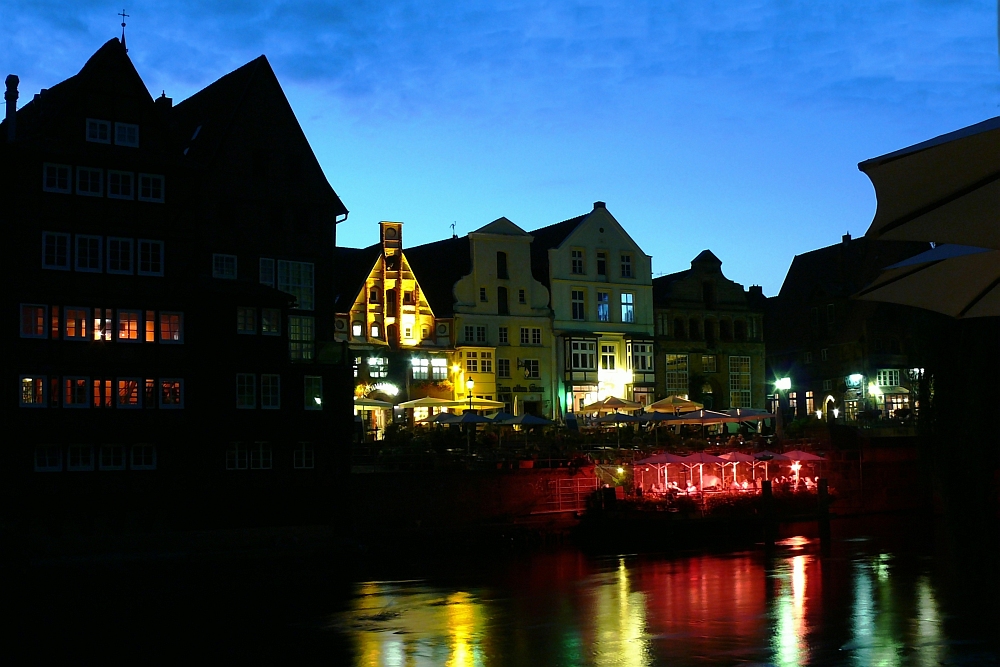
846	238
600	204
11	98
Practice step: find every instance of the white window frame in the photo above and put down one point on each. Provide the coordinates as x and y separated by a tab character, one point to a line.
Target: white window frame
536	336
308	392
714	365
604	307
628	307
485	362
609	356
304	456
421	369
180	329
122	242
270	391
578	302
48	450
221	265
299	280
532	369
266	272
150	243
261	456
139	328
99	192
125	127
302	337
627	266
583	355
152	178
439	369
246	391
131	184
641	358
677	369
887	377
85	465
139	386
83	330
56	236
95	136
45	391
275	315
77	266
502	336
159	394
57	168
503	368
105	457
32	308
576	262
83	405
142	465
470	333
740	381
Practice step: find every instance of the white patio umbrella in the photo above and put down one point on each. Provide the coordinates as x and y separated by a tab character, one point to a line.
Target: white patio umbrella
766	456
662	461
700	459
736	458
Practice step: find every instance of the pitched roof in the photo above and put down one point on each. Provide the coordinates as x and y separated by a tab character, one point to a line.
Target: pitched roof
501	226
706	257
352	267
437	267
548	237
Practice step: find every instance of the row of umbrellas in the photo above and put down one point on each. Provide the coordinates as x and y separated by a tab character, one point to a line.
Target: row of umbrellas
471	417
699	417
699	459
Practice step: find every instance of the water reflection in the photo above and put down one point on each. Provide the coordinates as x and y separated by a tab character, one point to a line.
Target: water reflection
789	609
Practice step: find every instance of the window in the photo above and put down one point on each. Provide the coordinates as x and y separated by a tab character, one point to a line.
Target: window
119	255
502	307
481	334
129	325
357	329
827	385
373	295
628	307
576	261
126	134
55	251
313	392
151	188
814	316
302	337
502	265
608	355
626	265
103	393
270	322
603	308
471	362
378	367
810	403
128	393
236	456
709	363
55	178
439	369
246	391
120	185
98	131
171	393
739	382
143	457
171	327
642	357
260	456
76	323
677	374
888	377
149	397
297	278
531	370
104	324
793	401
376	331
150	258
824	354
224	266
48	458
88	254
602	263
112	457
303	456
266	269
809	357
470	333
536	336
578	305
502	335
486	362
246	320
525	336
583	355
75	394
482	294
79	458
89	182
150	327
408	297
390	302
33	321
421	369
32	391
521	298
503	368
270	392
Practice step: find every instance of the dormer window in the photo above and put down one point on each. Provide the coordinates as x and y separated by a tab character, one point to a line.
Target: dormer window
127	134
98	131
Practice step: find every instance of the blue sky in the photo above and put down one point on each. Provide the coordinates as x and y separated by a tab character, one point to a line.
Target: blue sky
735	126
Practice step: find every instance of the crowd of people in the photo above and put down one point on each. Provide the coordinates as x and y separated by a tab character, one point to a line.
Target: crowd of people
781	483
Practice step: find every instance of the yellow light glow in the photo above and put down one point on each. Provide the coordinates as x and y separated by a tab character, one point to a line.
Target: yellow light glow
621	470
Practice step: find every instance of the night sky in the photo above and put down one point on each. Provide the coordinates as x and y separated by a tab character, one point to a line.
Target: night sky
735	126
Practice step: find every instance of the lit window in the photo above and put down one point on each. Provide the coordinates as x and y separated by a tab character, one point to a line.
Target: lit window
603	307
303	456
150	258
119	255
126	134
171	327
609	353
626	266
628	307
48	458
33	321
270	392
246	391
112	457
357	329
88	253
75	392
171	393
486	362
143	457
32	391
439	369
270	321
888	377
98	131
260	456
76	323
246	320
128	325
104	324
102	393
224	266
150	326
576	261
313	392
708	363
55	251
503	368
421	369
266	269
149	394
376	331
79	458
236	456
297	278
471	362
579	310
89	182
120	185
378	367
151	188
502	335
128	393
55	178
302	337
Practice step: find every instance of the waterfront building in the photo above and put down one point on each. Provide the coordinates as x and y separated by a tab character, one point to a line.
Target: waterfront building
168	275
600	293
500	313
845	358
709	337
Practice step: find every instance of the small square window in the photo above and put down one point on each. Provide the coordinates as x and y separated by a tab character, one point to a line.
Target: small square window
304	456
88	253
98	131
89	182
121	184
150	258
171	393
143	457
270	321
224	266
55	178
55	251
171	328
120	256
79	458
33	391
34	321
48	458
127	134
313	392
246	320
151	187
112	457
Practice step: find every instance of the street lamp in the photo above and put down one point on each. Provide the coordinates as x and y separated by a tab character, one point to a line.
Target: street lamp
469	384
782	385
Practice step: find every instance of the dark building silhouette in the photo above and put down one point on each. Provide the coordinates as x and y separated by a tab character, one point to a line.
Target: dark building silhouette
169	310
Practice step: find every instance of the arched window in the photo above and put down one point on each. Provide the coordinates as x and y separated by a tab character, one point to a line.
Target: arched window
502	308
390	300
740	330
392	335
707	398
708	294
725	330
694	328
711	331
679	328
502	265
373	295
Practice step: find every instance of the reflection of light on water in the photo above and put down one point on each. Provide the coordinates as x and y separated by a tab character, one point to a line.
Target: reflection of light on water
620	623
789	644
461	622
873	640
929	644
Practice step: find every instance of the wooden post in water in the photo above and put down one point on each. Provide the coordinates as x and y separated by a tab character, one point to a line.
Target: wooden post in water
823	514
767	505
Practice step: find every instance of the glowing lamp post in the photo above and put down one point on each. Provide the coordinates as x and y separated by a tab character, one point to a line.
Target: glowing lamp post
782	385
469	384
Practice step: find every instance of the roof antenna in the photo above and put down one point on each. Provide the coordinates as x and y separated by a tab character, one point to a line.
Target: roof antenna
453	234
124	16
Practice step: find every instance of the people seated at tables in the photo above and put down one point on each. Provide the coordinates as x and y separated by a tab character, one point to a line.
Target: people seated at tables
691	489
734	486
744	485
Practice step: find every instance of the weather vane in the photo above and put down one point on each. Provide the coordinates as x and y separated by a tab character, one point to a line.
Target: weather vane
124	16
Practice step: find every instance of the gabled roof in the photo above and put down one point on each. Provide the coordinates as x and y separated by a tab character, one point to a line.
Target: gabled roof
706	257
437	267
549	237
501	226
352	266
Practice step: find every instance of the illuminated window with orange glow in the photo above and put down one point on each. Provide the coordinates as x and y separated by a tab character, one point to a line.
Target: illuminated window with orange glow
75	392
76	323
32	391
149	395
103	324
171	327
102	393
128	325
33	321
171	393
128	393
